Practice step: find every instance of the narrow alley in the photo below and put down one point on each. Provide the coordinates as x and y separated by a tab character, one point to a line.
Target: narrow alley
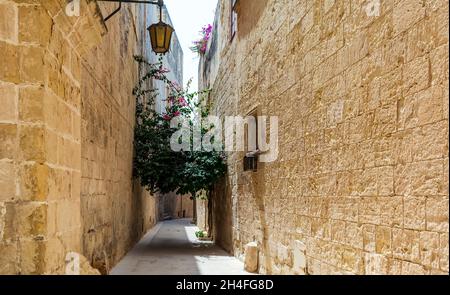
171	248
303	137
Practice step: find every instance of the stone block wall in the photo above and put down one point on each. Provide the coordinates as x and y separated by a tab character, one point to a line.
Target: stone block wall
116	211
362	99
66	127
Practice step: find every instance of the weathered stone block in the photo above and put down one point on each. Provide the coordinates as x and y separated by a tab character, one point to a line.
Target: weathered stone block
55	255
414	213
53	7
8	101
422	108
338	231
31	143
31	104
437	216
351	261
9	63
419	179
35	25
369	210
439	59
251	257
385	181
383	242
427	34
426	143
8	141
320	228
429	249
406	13
406	244
32	257
375	264
417	76
7	181
391	212
67	215
368	233
394	266
409	268
385	121
59	184
32	64
72	92
8	263
30	219
8	23
34	182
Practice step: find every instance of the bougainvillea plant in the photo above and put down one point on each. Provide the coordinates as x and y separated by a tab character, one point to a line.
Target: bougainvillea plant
200	45
159	168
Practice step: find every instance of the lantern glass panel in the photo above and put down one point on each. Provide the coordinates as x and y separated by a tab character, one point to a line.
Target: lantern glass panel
160	36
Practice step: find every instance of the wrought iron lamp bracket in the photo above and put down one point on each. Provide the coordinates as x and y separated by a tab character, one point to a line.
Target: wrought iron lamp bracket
160	3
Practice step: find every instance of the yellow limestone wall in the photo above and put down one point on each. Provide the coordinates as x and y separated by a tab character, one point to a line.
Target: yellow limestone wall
362	100
66	129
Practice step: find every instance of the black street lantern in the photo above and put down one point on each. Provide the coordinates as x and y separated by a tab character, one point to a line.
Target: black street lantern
160	33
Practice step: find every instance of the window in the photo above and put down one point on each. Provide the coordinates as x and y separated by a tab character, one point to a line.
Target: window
233	19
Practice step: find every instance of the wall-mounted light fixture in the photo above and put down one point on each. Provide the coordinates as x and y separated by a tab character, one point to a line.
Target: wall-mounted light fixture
251	161
160	33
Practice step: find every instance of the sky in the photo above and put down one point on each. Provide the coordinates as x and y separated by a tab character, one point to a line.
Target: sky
188	17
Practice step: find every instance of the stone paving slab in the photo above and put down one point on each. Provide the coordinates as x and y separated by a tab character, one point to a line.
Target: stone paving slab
171	248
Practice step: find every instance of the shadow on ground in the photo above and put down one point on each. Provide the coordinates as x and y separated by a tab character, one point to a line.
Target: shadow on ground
171	248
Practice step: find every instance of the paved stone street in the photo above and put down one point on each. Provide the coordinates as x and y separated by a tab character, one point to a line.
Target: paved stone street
171	248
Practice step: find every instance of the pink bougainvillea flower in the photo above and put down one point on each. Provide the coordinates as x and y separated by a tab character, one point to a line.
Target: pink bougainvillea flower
182	101
176	114
167	118
201	45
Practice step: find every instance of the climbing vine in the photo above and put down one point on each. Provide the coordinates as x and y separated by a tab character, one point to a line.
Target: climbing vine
159	168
